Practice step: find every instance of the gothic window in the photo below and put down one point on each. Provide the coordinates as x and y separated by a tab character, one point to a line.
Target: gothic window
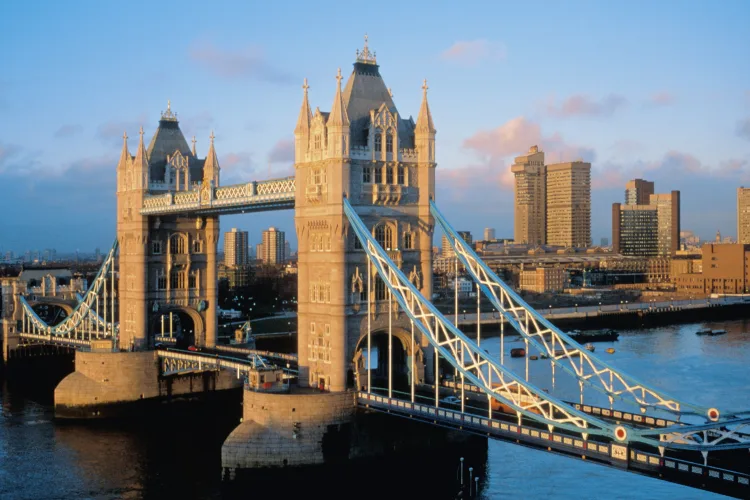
156	247
380	235
366	175
378	175
176	244
401	176
317	141
316	176
357	243
407	241
388	175
175	280
161	281
192	280
388	238
196	246
378	141
380	289
389	143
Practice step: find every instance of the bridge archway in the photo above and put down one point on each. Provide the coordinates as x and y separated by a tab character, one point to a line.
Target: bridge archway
188	326
52	311
402	355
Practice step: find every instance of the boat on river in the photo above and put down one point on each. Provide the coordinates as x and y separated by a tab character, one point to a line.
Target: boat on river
608	335
710	332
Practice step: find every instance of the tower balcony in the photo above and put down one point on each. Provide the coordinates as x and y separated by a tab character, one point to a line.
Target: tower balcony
387	194
315	192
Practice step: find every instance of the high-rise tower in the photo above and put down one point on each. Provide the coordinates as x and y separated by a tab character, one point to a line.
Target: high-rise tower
530	214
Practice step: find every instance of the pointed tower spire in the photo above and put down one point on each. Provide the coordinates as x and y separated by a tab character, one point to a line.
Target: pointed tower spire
338	116
211	166
424	120
193	150
140	165
303	121
125	154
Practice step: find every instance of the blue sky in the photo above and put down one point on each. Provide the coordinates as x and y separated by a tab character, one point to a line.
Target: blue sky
659	90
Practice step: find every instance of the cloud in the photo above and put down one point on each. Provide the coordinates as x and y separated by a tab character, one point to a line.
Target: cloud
743	129
16	160
584	105
516	136
237	167
245	64
282	152
200	122
110	133
68	130
659	99
471	53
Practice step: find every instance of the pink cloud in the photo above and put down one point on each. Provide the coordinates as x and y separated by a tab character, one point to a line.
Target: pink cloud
584	105
471	53
662	98
237	167
282	152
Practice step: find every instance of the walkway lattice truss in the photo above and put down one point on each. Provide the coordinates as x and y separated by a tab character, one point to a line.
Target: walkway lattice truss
477	367
93	317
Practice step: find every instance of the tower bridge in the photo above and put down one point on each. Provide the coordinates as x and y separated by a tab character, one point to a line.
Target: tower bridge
363	196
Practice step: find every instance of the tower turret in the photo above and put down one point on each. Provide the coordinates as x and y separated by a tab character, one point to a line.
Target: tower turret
123	165
302	130
338	124
424	131
211	167
139	167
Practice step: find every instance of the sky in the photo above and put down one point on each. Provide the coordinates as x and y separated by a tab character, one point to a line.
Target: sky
656	90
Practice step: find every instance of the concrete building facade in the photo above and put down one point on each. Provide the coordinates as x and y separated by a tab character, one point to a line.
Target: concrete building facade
530	198
235	248
543	279
569	204
725	269
273	247
489	233
743	215
668	215
635	230
638	192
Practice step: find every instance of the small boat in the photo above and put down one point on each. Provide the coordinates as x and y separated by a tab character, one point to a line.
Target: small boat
705	331
610	350
518	352
544	356
560	352
595	336
589	347
533	357
710	332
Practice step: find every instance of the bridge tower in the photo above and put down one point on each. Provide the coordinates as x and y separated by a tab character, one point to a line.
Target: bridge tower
166	263
385	165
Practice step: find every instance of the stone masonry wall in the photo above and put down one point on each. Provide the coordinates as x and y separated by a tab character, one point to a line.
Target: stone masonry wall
266	437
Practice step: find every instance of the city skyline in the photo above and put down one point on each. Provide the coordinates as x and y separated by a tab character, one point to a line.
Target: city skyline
60	159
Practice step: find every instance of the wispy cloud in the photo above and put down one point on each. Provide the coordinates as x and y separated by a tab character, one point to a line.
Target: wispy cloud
584	105
282	151
110	132
659	99
248	63
68	130
15	160
197	123
237	167
743	128
474	52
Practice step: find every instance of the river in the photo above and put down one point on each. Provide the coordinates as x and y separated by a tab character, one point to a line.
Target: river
176	455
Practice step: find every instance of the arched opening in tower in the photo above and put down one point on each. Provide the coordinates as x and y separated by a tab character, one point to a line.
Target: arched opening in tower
377	364
176	324
50	313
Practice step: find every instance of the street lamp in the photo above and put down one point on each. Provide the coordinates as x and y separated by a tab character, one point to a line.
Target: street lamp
600	307
550	311
576	307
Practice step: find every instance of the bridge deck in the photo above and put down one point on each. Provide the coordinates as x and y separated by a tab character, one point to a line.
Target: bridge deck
681	471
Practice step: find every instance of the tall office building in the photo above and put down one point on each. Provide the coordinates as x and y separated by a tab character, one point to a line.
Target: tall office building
489	233
635	230
638	192
446	249
569	204
668	214
235	248
743	215
273	246
529	198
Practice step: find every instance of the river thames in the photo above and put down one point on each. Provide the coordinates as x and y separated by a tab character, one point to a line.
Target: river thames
176	454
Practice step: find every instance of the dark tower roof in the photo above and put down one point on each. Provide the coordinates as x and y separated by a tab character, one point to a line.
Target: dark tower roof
167	139
366	90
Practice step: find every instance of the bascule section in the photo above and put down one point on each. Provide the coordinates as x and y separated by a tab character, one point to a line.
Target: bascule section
365	151
167	260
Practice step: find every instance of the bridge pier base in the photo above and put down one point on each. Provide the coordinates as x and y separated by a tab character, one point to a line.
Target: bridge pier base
109	384
310	428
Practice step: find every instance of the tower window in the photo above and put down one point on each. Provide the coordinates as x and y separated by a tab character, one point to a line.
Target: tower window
156	247
401	175
161	281
317	141
378	175
388	175
380	289
378	141
389	143
407	241
380	236
367	175
176	244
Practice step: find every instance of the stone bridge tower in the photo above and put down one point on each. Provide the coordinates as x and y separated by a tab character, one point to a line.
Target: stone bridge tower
385	165
166	263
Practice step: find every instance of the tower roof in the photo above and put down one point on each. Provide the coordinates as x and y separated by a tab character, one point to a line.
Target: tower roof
211	165
166	140
366	90
141	159
303	121
125	157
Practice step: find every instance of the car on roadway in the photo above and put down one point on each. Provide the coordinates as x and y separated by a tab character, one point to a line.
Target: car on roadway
451	400
194	348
